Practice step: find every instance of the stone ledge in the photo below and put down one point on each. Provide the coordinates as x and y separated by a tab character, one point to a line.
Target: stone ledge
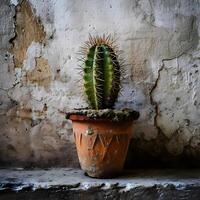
67	183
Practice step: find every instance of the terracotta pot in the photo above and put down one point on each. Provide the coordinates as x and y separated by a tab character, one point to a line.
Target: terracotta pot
101	145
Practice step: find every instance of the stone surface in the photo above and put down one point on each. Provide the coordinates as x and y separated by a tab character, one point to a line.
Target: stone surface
67	183
39	81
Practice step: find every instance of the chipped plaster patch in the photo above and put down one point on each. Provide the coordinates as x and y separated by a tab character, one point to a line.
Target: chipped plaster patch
41	74
28	28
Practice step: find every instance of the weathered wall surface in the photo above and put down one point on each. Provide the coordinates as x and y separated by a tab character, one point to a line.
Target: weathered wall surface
39	80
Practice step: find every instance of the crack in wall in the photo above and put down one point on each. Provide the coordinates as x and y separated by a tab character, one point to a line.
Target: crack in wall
153	102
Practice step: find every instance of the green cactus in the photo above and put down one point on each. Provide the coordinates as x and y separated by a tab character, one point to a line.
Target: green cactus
101	72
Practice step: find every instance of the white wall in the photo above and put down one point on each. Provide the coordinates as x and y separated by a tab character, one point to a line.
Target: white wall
160	42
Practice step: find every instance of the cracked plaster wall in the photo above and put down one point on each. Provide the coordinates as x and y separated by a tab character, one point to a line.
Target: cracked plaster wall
39	80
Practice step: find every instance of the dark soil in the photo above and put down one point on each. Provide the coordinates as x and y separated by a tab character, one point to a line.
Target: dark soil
110	114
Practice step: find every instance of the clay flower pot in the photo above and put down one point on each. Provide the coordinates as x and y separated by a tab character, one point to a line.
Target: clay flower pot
102	142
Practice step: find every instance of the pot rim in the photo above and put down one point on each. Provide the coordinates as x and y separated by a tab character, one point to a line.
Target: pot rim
103	115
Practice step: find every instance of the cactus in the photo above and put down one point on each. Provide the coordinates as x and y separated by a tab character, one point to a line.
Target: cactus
101	72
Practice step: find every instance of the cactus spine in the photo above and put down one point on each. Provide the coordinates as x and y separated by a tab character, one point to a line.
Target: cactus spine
101	72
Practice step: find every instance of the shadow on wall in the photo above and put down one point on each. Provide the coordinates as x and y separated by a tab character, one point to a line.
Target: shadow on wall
153	154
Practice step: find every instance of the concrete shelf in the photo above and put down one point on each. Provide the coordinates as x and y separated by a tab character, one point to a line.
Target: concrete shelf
67	183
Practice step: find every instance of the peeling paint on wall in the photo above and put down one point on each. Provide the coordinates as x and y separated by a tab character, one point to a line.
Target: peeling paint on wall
28	28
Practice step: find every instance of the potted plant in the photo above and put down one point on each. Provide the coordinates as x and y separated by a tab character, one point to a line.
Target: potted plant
101	133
